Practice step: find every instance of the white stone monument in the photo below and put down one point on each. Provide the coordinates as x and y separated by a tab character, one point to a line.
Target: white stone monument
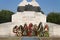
28	12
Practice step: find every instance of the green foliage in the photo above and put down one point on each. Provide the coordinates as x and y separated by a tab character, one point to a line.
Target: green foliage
46	34
53	17
5	16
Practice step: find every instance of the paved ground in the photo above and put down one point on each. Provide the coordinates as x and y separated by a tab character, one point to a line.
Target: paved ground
7	38
17	38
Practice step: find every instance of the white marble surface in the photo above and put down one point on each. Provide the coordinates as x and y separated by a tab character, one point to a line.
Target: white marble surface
28	17
6	29
24	2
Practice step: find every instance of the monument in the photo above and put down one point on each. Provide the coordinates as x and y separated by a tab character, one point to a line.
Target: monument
28	12
31	14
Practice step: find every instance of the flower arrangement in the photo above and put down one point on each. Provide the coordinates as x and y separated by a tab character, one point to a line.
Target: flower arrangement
32	30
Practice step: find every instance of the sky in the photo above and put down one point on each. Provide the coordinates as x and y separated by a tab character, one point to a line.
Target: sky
46	6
